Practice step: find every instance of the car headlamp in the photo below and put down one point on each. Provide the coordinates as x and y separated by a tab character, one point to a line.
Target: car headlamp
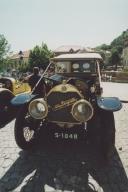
82	110
38	108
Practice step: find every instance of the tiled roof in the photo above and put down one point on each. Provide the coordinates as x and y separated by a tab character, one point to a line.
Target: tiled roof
73	49
25	54
68	48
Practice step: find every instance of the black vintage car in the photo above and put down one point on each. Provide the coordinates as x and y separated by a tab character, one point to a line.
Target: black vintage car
72	107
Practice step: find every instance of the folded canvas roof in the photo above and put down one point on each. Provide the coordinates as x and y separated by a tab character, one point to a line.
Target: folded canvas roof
77	56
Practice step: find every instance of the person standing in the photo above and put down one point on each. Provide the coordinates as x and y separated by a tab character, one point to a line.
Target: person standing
33	79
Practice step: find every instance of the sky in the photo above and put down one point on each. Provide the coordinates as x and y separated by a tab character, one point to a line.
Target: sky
89	23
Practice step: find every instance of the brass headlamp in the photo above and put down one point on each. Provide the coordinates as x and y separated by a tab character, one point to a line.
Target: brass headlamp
38	108
82	110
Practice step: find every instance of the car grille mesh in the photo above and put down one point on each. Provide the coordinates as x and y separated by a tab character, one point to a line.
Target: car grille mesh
61	113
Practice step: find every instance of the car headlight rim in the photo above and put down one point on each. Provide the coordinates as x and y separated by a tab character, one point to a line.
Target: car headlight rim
79	115
36	111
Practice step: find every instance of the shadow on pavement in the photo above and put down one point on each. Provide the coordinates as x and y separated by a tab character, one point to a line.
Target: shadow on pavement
64	168
4	123
7	116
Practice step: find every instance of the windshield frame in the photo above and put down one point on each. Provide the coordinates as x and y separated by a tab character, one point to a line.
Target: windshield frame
67	66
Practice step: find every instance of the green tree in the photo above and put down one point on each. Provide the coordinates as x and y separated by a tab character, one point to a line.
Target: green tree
116	48
4	48
114	58
103	47
39	56
119	41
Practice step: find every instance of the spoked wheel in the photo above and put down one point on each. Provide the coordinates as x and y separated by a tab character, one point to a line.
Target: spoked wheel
28	134
26	129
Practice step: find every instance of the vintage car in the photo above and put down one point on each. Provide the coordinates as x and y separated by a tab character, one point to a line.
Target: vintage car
72	107
9	87
15	86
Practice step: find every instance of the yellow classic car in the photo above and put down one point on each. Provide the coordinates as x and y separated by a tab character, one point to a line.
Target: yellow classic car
15	86
9	88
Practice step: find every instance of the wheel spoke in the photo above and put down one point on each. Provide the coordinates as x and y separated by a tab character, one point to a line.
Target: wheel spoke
28	134
26	130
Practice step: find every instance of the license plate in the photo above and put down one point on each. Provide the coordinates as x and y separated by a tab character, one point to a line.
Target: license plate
68	136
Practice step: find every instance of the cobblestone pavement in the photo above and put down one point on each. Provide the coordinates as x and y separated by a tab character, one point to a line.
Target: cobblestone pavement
64	169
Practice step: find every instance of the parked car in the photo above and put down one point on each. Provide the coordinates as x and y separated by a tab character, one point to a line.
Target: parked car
15	86
9	87
72	109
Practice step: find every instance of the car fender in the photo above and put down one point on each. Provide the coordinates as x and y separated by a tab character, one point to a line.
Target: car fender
109	103
6	91
22	98
5	97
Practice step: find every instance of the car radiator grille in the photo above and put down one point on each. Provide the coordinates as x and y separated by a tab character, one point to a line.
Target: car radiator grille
60	106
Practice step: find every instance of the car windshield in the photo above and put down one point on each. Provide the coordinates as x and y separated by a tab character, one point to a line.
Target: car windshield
82	66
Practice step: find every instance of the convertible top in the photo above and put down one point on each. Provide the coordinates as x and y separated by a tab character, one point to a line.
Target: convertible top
78	56
8	78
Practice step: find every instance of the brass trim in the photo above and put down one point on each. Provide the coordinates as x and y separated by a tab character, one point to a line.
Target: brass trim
64	104
65	88
75	123
82	101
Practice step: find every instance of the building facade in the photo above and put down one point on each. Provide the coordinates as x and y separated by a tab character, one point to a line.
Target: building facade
19	59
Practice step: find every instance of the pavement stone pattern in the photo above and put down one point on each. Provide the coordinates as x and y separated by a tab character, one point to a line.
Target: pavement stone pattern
64	169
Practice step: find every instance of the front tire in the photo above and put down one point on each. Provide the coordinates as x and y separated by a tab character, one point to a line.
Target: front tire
26	129
6	109
107	138
101	132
